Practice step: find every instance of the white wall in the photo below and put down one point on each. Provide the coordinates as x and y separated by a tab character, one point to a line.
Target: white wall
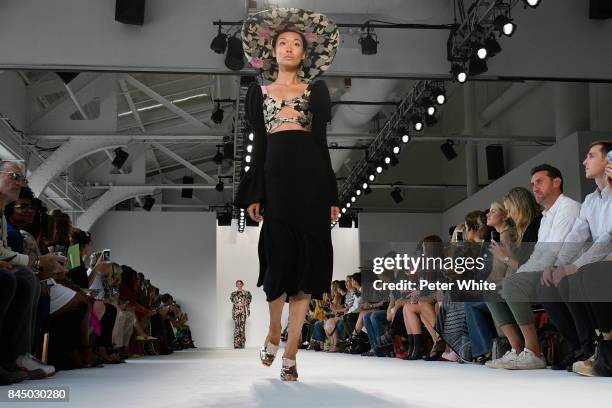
237	259
176	251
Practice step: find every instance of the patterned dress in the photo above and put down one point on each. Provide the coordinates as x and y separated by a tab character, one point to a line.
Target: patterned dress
241	300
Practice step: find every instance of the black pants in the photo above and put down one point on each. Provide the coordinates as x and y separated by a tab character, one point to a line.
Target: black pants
106	324
572	319
350	320
19	293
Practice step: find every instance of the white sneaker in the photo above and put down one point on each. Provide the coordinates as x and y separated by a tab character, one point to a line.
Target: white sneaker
527	360
502	361
584	367
36	370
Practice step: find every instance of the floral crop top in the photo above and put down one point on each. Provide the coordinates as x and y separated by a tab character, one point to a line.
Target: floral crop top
272	107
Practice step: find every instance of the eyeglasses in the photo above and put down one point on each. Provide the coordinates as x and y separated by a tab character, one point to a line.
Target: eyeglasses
24	206
15	176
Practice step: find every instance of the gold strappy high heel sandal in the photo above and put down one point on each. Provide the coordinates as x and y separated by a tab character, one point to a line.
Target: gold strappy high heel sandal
288	372
267	357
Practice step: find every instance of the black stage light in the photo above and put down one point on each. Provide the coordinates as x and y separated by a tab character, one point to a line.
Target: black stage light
448	150
396	149
429	106
219	43
217	115
504	25
397	195
459	74
403	134
439	95
218	158
391	160
130	11
121	157
234	59
477	66
187	192
67	76
367	190
369	43
480	49
149	202
228	150
417	123
219	186
430	120
493	47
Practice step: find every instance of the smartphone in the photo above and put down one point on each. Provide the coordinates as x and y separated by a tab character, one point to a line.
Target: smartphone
459	236
61	249
610	156
106	255
495	236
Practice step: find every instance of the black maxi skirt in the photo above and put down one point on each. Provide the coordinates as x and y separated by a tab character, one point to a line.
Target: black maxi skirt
295	249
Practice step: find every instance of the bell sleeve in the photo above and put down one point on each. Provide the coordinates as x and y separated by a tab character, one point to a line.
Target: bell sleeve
251	188
320	105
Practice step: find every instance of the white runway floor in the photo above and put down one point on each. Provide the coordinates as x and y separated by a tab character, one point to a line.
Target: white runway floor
235	378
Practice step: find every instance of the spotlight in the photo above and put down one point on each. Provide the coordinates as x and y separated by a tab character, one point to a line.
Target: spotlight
504	25
247	158
397	195
348	205
430	120
219	186
234	59
477	66
440	96
364	186
493	47
247	168
458	73
379	169
249	148
358	192
481	50
417	124
369	43
372	177
121	157
532	3
448	150
218	158
405	138
149	202
391	160
343	210
367	190
430	108
251	136
353	199
217	115
404	135
219	43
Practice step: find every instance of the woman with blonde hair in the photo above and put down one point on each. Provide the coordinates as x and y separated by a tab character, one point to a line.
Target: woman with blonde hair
515	319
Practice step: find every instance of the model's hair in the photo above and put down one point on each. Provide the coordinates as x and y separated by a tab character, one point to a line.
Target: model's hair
357	277
525	206
551	171
604	145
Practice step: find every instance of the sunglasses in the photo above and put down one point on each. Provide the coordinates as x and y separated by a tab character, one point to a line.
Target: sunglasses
15	176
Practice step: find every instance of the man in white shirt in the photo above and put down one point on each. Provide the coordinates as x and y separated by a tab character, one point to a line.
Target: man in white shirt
595	223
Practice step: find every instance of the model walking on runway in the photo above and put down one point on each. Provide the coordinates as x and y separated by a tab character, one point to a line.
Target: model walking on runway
241	310
291	185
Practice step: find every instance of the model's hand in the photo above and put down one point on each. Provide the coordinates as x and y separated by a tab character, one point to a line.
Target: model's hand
253	211
335	213
547	276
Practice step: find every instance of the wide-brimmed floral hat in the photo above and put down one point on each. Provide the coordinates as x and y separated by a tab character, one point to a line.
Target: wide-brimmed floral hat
321	35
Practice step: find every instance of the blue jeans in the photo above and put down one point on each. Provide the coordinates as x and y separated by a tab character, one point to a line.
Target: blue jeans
318	332
480	327
374	323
